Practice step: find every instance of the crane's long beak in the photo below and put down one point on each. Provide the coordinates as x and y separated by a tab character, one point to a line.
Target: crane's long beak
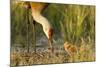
51	46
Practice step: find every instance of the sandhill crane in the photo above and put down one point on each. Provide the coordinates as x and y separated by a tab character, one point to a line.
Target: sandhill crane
37	8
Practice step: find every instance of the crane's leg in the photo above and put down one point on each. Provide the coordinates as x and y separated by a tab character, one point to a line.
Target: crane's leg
34	36
28	23
28	46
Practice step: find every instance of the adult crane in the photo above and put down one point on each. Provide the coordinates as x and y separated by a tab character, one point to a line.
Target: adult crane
37	8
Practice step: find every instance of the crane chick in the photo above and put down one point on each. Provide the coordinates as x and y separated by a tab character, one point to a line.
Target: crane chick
70	48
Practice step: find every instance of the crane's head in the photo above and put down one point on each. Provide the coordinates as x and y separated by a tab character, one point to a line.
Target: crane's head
49	33
66	45
50	38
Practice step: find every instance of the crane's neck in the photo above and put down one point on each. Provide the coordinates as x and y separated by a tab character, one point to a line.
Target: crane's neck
40	19
43	21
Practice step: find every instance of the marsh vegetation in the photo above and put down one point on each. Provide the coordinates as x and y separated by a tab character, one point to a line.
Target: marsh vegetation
72	23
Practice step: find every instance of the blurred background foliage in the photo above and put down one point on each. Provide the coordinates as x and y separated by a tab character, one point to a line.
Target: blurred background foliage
73	23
